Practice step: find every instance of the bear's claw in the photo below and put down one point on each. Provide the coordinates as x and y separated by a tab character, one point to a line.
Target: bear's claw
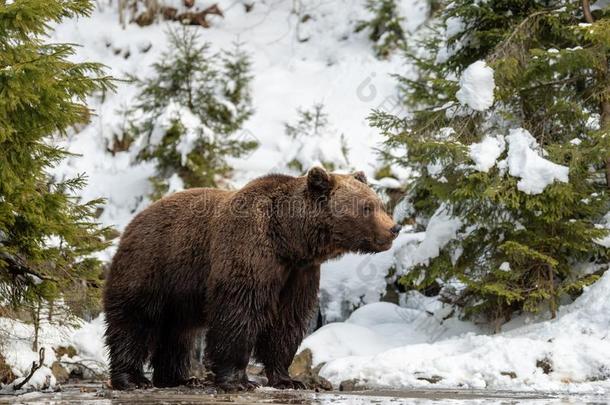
288	384
194	382
127	382
237	386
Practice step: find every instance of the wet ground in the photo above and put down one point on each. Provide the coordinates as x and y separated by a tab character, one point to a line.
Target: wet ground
94	394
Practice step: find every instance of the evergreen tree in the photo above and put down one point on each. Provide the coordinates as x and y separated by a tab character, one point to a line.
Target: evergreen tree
385	26
188	115
315	142
515	250
47	236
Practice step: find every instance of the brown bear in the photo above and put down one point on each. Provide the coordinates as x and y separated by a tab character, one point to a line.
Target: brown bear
243	265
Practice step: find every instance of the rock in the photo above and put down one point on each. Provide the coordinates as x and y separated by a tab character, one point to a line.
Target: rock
432	379
255	369
61	374
510	374
169	13
70	351
6	373
321	382
256	373
301	364
546	365
301	369
352	385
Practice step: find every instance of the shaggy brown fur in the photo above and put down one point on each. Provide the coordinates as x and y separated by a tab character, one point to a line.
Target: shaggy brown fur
244	265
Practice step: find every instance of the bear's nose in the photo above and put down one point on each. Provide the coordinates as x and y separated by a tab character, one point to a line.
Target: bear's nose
395	229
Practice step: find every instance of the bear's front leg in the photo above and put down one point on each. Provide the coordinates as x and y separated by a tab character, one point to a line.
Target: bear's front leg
231	335
279	341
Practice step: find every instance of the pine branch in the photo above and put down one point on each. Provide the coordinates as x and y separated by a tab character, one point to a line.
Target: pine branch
502	47
17	266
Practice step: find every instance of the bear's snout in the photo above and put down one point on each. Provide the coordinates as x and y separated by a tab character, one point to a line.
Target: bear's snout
395	230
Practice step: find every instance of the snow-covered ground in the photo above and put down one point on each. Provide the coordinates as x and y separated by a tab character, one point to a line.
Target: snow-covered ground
86	338
299	62
384	345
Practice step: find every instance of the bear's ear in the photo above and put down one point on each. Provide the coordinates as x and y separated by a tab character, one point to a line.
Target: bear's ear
361	177
318	180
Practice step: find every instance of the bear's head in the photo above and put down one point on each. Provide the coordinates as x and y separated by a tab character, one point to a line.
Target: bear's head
353	213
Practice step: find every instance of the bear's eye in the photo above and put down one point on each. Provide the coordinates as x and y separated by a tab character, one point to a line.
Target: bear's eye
367	209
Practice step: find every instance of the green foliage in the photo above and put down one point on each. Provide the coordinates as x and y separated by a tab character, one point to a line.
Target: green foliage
47	236
551	77
385	27
188	115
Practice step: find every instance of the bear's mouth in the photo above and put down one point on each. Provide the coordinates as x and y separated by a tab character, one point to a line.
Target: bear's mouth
375	245
383	244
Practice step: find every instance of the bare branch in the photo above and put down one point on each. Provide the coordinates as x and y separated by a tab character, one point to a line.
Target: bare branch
35	367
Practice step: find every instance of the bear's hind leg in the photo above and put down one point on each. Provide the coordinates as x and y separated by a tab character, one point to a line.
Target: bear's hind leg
128	347
171	359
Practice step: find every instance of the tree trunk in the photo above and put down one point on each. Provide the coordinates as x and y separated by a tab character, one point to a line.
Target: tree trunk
605	118
586	9
604	77
36	321
553	302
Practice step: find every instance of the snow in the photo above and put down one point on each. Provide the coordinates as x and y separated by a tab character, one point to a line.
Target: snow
387	182
16	345
414	14
381	342
441	229
477	86
42	379
605	242
89	343
355	279
574	345
336	67
378	327
524	160
486	153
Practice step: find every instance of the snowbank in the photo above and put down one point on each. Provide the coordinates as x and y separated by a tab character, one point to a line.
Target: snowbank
477	86
16	343
379	327
570	353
